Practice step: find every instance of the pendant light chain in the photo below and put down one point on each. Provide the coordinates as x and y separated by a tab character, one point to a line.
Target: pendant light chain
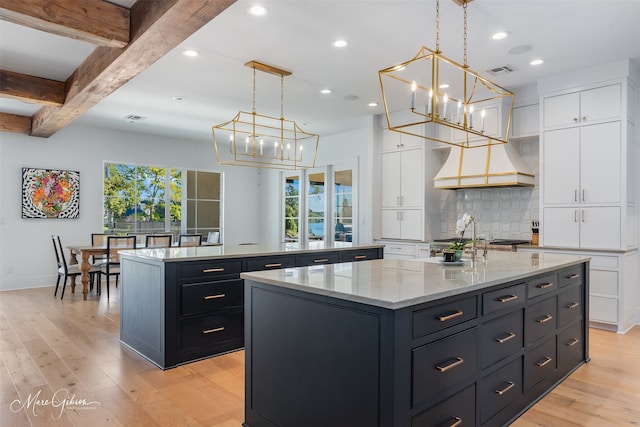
254	89
464	7
281	97
438	26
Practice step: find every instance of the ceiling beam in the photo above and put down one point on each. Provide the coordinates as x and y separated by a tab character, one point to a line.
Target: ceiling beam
156	28
15	123
95	21
22	87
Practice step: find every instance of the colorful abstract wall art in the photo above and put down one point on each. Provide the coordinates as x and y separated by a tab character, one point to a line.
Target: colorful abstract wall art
50	193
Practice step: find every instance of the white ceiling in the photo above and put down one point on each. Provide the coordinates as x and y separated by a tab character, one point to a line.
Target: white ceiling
296	35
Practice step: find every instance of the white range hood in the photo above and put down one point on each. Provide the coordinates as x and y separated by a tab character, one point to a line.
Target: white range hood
491	166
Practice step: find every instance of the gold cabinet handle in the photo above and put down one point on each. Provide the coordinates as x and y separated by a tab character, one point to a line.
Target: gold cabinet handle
507	338
360	257
208	331
450	316
321	260
573	342
272	265
214	296
544	362
573	305
507	298
545	285
213	270
573	276
506	389
457	362
545	319
456	422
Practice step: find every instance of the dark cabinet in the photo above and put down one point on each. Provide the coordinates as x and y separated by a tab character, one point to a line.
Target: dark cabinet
499	389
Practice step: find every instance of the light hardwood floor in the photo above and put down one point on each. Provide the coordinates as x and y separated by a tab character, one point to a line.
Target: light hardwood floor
71	348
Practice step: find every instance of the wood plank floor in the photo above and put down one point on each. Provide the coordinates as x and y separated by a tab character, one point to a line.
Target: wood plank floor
70	348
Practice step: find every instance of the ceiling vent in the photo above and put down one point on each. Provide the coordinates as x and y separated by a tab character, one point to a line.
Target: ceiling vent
133	118
501	70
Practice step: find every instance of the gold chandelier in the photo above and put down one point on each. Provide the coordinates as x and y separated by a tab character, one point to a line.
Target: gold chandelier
255	140
436	98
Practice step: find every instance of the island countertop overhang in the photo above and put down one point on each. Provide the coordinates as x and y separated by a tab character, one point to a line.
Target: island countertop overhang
395	284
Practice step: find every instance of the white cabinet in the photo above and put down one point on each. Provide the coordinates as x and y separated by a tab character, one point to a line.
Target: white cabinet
525	121
582	164
404	224
581	107
587	227
393	141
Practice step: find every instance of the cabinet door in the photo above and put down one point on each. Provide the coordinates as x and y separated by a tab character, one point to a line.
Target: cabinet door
411	224
390	180
599	228
561	110
525	121
561	163
561	227
600	103
390	140
600	163
411	178
390	224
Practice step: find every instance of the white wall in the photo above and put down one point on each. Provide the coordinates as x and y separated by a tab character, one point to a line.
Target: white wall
26	254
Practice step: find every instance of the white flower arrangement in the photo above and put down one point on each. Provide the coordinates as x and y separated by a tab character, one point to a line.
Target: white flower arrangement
461	227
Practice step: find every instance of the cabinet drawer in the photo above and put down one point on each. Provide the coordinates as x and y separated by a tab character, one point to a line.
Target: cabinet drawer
570	276
571	346
360	255
442	364
317	259
570	305
499	389
209	269
458	410
503	298
207	330
540	320
206	297
539	363
434	319
270	263
501	337
542	285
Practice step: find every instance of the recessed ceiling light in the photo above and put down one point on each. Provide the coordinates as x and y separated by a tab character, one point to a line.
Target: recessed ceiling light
177	98
190	53
340	43
326	91
258	10
500	35
536	62
373	104
444	86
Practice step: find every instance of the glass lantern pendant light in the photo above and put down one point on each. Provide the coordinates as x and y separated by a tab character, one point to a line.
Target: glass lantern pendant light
436	98
256	140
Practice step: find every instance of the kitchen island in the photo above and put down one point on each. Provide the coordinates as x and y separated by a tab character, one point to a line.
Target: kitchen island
178	304
412	343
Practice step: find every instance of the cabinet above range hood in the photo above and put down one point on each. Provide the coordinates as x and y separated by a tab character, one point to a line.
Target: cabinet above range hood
491	166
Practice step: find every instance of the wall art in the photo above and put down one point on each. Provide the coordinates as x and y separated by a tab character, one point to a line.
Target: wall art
50	193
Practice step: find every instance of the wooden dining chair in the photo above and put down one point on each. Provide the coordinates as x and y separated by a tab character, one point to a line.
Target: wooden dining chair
99	239
190	240
158	241
112	266
140	238
65	270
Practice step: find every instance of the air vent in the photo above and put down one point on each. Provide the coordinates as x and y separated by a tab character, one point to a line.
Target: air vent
133	118
501	70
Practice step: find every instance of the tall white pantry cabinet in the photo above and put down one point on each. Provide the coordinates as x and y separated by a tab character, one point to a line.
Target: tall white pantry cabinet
588	140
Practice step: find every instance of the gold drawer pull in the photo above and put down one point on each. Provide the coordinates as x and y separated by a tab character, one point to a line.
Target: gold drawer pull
208	331
360	257
214	296
506	389
545	319
457	421
450	316
573	305
507	298
507	338
457	362
573	342
321	260
213	270
573	276
545	285
273	265
544	362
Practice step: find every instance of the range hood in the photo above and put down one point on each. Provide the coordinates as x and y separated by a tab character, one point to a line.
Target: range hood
497	165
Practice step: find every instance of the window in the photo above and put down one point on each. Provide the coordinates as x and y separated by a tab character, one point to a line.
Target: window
291	208
343	205
150	199
317	210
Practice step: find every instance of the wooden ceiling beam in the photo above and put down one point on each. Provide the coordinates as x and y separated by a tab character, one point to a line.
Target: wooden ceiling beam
27	88
156	28
15	123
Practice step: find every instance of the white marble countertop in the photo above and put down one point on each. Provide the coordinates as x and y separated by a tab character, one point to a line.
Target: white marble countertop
237	251
394	284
